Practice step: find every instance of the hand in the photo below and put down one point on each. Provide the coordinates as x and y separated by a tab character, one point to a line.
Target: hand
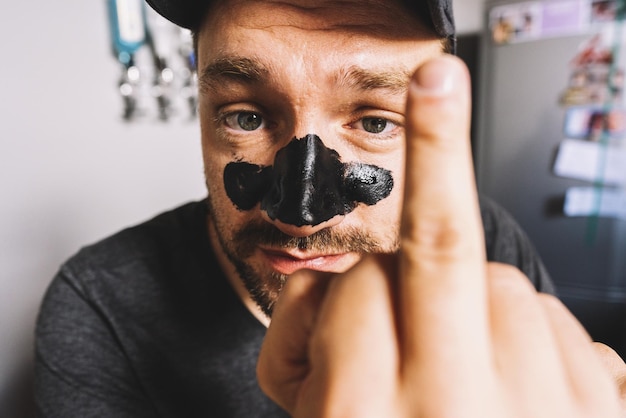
433	331
616	367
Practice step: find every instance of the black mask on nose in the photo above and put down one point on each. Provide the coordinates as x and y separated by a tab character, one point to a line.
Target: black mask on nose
307	185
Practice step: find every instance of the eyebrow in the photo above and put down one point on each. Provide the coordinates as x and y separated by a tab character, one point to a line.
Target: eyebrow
251	71
365	79
226	69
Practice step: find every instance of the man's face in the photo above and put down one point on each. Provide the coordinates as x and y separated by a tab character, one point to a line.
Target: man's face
302	114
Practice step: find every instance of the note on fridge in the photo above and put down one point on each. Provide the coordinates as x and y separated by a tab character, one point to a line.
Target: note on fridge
591	161
595	201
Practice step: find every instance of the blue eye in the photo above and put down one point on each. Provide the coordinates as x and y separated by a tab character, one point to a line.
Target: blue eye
374	125
246	121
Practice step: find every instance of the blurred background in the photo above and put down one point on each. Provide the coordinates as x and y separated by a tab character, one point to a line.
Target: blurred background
76	165
72	169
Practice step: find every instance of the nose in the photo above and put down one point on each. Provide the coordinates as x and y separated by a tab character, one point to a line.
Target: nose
307	191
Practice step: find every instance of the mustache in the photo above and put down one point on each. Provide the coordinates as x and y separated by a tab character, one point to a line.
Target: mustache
349	239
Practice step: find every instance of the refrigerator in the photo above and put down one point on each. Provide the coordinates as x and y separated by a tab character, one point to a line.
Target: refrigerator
550	134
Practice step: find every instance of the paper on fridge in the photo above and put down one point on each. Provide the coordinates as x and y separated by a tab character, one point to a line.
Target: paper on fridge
595	201
591	161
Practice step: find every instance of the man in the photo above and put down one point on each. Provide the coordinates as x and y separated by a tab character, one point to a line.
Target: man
309	110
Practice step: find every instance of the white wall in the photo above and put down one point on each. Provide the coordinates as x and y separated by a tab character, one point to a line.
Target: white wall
70	171
469	15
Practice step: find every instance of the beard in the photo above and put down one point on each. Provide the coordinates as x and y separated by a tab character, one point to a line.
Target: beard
264	287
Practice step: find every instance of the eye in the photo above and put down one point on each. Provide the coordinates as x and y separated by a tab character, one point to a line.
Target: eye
244	121
375	125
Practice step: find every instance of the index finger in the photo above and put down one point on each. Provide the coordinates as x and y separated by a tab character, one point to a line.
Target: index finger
442	285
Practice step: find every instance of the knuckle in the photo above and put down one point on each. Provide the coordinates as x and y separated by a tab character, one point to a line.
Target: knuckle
552	303
440	240
607	352
508	278
503	270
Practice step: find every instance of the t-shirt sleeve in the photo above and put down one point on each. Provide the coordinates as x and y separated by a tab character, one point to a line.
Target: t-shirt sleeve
507	243
81	369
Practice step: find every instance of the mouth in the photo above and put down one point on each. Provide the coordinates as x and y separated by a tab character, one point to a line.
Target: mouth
288	262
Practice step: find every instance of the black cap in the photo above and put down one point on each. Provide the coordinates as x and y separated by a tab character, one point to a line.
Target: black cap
189	13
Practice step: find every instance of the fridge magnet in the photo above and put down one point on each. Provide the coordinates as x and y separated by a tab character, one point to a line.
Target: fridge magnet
598	50
595	123
604	10
595	77
591	161
594	84
595	201
515	22
564	17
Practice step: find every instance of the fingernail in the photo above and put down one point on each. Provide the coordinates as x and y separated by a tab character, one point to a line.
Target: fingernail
436	77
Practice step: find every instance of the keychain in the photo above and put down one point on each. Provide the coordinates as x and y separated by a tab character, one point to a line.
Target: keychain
158	62
128	35
127	25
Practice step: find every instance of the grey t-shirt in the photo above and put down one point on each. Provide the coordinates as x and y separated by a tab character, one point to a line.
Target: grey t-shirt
145	324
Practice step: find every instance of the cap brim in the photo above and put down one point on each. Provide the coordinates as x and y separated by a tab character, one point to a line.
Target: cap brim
189	13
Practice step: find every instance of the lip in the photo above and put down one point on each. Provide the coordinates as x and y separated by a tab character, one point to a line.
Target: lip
287	262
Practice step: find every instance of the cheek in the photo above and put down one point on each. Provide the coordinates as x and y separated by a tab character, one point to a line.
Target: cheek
387	212
382	220
215	159
214	178
398	193
226	217
212	175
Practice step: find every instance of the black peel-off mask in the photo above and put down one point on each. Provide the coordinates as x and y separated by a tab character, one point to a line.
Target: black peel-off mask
307	185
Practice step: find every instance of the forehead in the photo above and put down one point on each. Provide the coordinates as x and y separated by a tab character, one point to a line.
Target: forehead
384	17
247	25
